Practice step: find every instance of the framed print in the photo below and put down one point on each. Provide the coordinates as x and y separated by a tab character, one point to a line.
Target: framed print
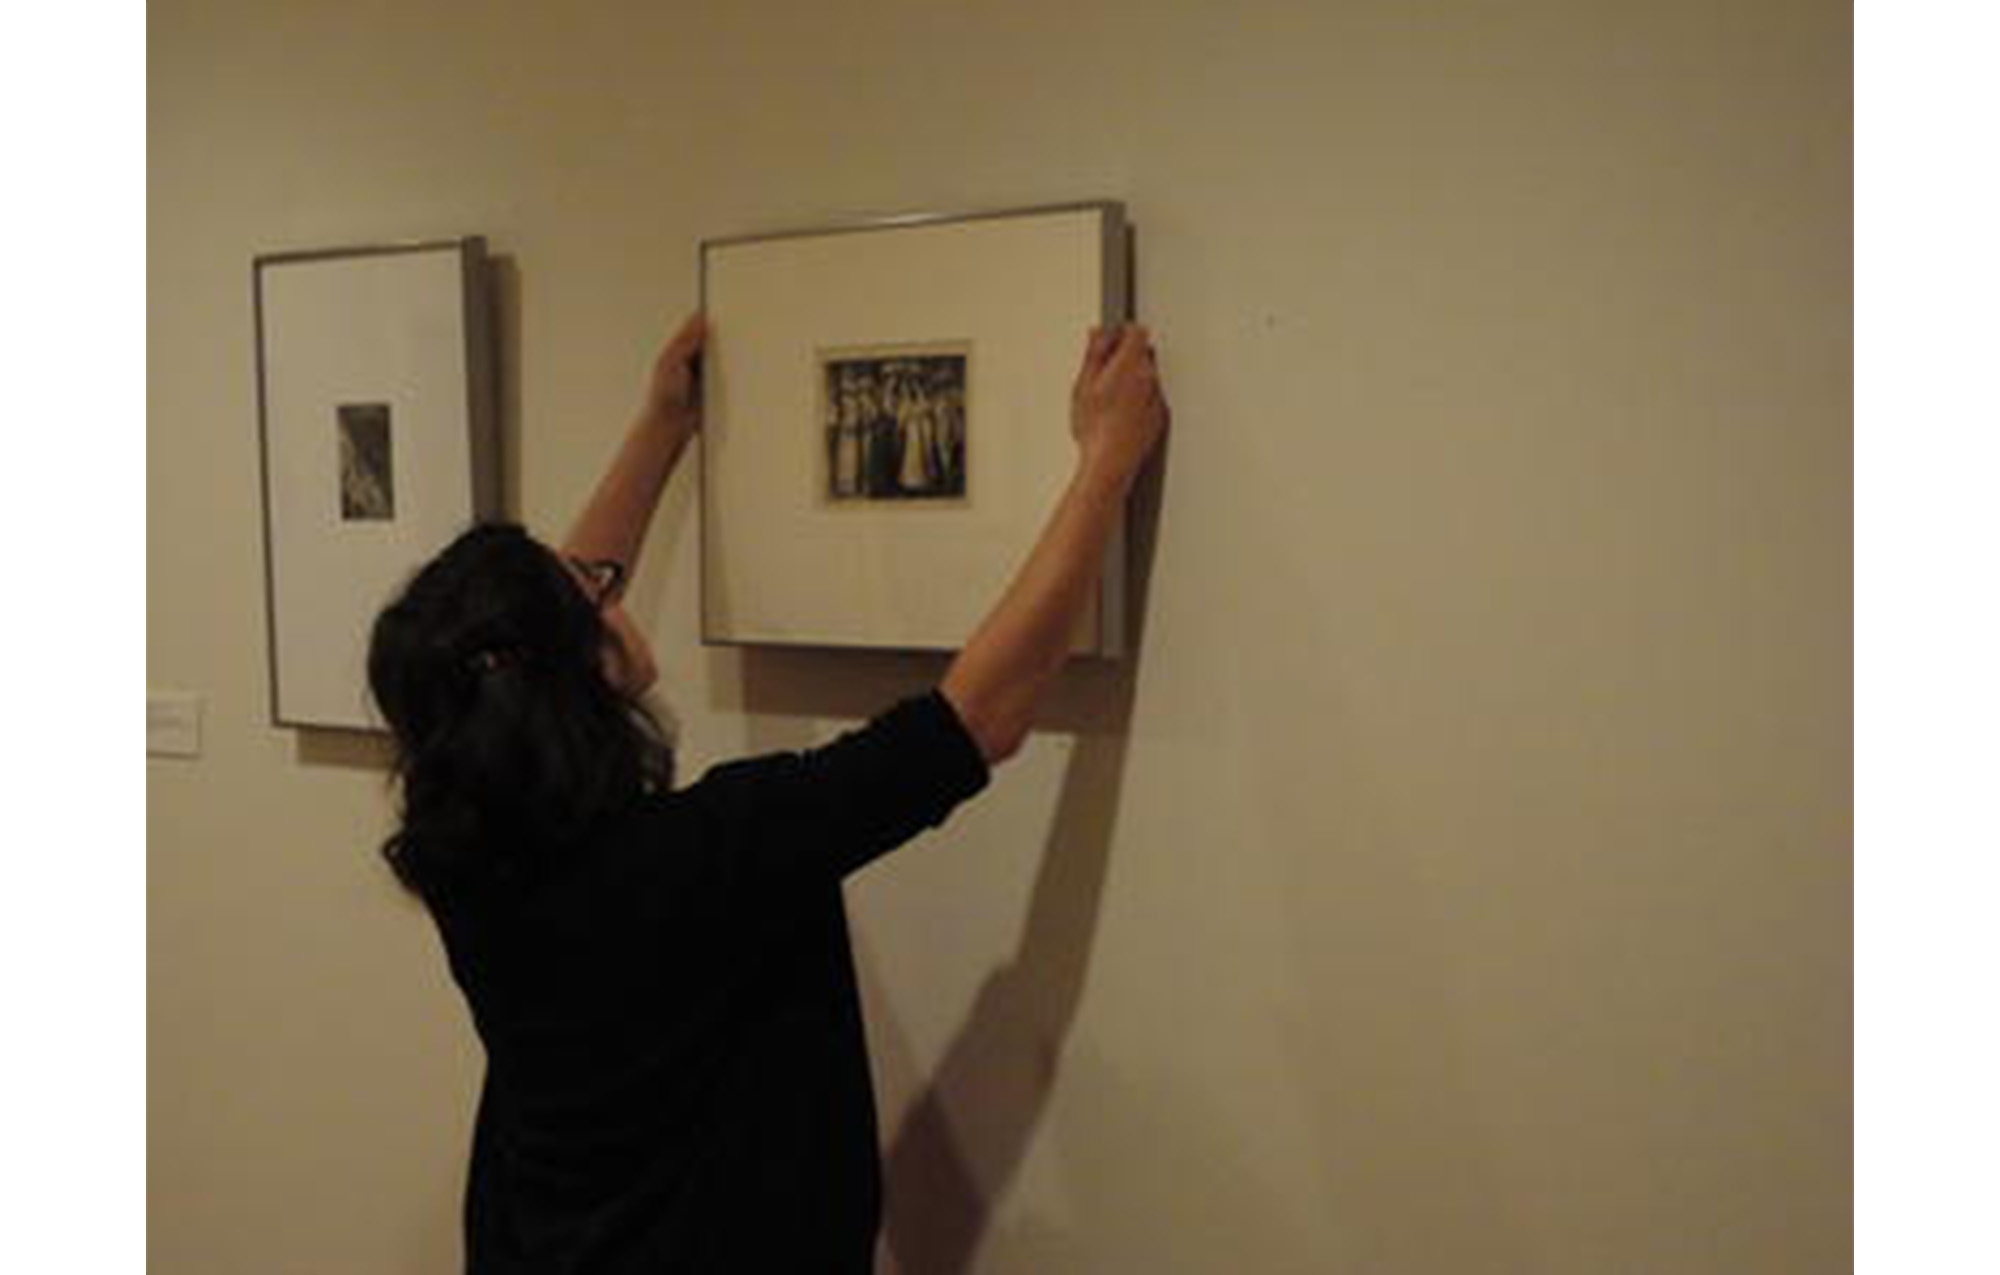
886	422
377	440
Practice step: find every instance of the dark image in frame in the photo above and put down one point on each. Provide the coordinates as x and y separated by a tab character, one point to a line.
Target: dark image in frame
367	471
894	423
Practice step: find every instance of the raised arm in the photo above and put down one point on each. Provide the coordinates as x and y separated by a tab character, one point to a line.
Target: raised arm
613	525
1117	414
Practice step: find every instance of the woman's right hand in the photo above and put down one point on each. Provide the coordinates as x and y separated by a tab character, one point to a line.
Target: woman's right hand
1117	409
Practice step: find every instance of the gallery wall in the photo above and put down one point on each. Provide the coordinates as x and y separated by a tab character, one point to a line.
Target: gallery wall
1458	880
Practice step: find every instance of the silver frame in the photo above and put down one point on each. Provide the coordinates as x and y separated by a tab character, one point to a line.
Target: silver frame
1117	290
482	399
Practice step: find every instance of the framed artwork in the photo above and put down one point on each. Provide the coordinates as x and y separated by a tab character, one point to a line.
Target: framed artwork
887	425
377	438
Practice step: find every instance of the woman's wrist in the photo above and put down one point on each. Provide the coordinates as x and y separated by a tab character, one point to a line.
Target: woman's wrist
1100	474
675	421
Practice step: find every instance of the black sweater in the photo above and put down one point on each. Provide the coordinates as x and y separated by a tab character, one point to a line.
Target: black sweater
676	1075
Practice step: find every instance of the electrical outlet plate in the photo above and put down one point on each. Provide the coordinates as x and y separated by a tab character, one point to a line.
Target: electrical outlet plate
173	724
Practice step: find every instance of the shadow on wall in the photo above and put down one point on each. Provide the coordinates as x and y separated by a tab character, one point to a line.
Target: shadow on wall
969	1125
968	1128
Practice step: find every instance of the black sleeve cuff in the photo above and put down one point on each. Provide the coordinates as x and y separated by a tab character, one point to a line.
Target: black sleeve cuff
937	733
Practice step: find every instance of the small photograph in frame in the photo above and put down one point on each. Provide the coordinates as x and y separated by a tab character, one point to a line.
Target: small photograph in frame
894	424
367	471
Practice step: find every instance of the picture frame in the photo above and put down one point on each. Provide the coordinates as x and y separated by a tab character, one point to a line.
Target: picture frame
377	444
886	422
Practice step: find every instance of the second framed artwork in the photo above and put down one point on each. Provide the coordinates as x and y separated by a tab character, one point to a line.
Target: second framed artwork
887	422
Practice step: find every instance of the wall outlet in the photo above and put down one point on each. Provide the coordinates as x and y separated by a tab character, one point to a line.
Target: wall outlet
173	724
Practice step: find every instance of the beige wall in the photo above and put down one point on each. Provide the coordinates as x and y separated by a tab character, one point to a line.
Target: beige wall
1460	880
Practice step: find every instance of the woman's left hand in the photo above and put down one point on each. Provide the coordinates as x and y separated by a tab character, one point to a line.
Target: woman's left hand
673	396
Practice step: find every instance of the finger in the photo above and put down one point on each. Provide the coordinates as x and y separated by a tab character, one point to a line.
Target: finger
692	335
1097	348
1134	344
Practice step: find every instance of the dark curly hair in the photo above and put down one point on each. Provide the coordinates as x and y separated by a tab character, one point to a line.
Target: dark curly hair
510	743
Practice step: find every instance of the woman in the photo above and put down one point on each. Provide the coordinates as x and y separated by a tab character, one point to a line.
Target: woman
676	1074
847	442
913	418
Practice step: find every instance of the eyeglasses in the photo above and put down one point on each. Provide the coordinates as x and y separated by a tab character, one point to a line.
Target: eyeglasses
604	578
